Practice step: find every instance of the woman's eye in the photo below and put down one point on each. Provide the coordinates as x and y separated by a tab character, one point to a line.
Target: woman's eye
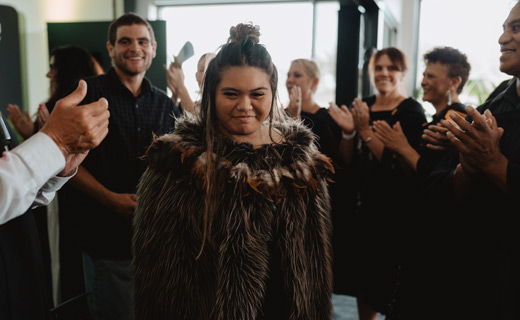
258	94
230	94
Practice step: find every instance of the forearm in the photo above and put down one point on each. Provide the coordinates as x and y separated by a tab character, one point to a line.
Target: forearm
346	149
28	176
185	100
461	182
375	145
86	183
409	156
497	172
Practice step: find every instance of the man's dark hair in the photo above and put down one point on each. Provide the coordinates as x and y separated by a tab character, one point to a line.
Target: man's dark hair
127	19
456	61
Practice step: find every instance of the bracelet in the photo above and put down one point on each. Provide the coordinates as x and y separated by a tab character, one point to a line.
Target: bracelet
367	140
348	136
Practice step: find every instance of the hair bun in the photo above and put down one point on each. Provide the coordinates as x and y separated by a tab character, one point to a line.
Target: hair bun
242	32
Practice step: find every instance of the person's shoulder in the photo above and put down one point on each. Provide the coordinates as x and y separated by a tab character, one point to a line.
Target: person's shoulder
157	92
370	100
411	105
455	108
184	141
323	113
298	146
504	89
458	107
503	86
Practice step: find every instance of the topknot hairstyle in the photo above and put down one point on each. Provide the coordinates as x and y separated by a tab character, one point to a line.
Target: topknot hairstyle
241	50
455	60
243	32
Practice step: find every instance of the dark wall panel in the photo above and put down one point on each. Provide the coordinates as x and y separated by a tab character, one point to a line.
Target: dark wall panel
92	36
10	57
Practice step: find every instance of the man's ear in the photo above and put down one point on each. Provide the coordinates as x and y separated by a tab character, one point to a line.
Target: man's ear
110	49
154	46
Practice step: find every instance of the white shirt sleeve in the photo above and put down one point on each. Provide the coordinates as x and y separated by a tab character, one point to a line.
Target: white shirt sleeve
28	176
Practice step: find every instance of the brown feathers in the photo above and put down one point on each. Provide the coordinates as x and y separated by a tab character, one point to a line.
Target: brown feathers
271	197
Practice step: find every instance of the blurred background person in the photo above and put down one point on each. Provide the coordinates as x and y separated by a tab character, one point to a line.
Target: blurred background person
31	173
175	81
302	82
67	65
384	187
478	182
446	73
447	70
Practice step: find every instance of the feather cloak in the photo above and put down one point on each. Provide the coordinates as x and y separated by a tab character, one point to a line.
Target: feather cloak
272	198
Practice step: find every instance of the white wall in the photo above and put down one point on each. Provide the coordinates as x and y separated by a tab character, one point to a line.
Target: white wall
34	15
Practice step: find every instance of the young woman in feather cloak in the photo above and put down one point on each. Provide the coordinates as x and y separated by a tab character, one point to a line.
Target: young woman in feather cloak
232	220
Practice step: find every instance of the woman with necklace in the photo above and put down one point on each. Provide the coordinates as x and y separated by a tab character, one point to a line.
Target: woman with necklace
447	70
302	81
232	220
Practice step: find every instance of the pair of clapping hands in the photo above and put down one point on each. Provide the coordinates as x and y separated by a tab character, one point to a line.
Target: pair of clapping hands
23	122
477	142
76	129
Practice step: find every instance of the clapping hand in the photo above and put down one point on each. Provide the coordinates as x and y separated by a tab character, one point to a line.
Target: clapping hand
435	136
477	142
361	115
343	117
22	121
392	137
174	77
295	102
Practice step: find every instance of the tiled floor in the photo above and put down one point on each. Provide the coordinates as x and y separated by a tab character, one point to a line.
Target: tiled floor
345	308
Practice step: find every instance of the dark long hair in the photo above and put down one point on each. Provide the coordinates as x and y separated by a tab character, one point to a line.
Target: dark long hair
71	63
241	49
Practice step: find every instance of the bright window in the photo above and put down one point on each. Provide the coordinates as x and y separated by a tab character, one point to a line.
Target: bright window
473	27
286	30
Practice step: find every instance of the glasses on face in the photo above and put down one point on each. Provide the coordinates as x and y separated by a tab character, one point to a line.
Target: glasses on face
52	67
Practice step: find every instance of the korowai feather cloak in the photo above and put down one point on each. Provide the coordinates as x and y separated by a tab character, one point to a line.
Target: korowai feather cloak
271	198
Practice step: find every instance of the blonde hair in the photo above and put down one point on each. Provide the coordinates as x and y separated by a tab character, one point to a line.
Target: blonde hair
310	67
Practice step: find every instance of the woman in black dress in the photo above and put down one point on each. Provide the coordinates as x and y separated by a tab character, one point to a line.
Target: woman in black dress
445	75
384	188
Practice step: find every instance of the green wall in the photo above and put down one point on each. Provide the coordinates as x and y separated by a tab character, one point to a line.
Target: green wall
92	36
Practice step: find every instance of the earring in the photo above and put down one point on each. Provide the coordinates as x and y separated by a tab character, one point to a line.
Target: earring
449	97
